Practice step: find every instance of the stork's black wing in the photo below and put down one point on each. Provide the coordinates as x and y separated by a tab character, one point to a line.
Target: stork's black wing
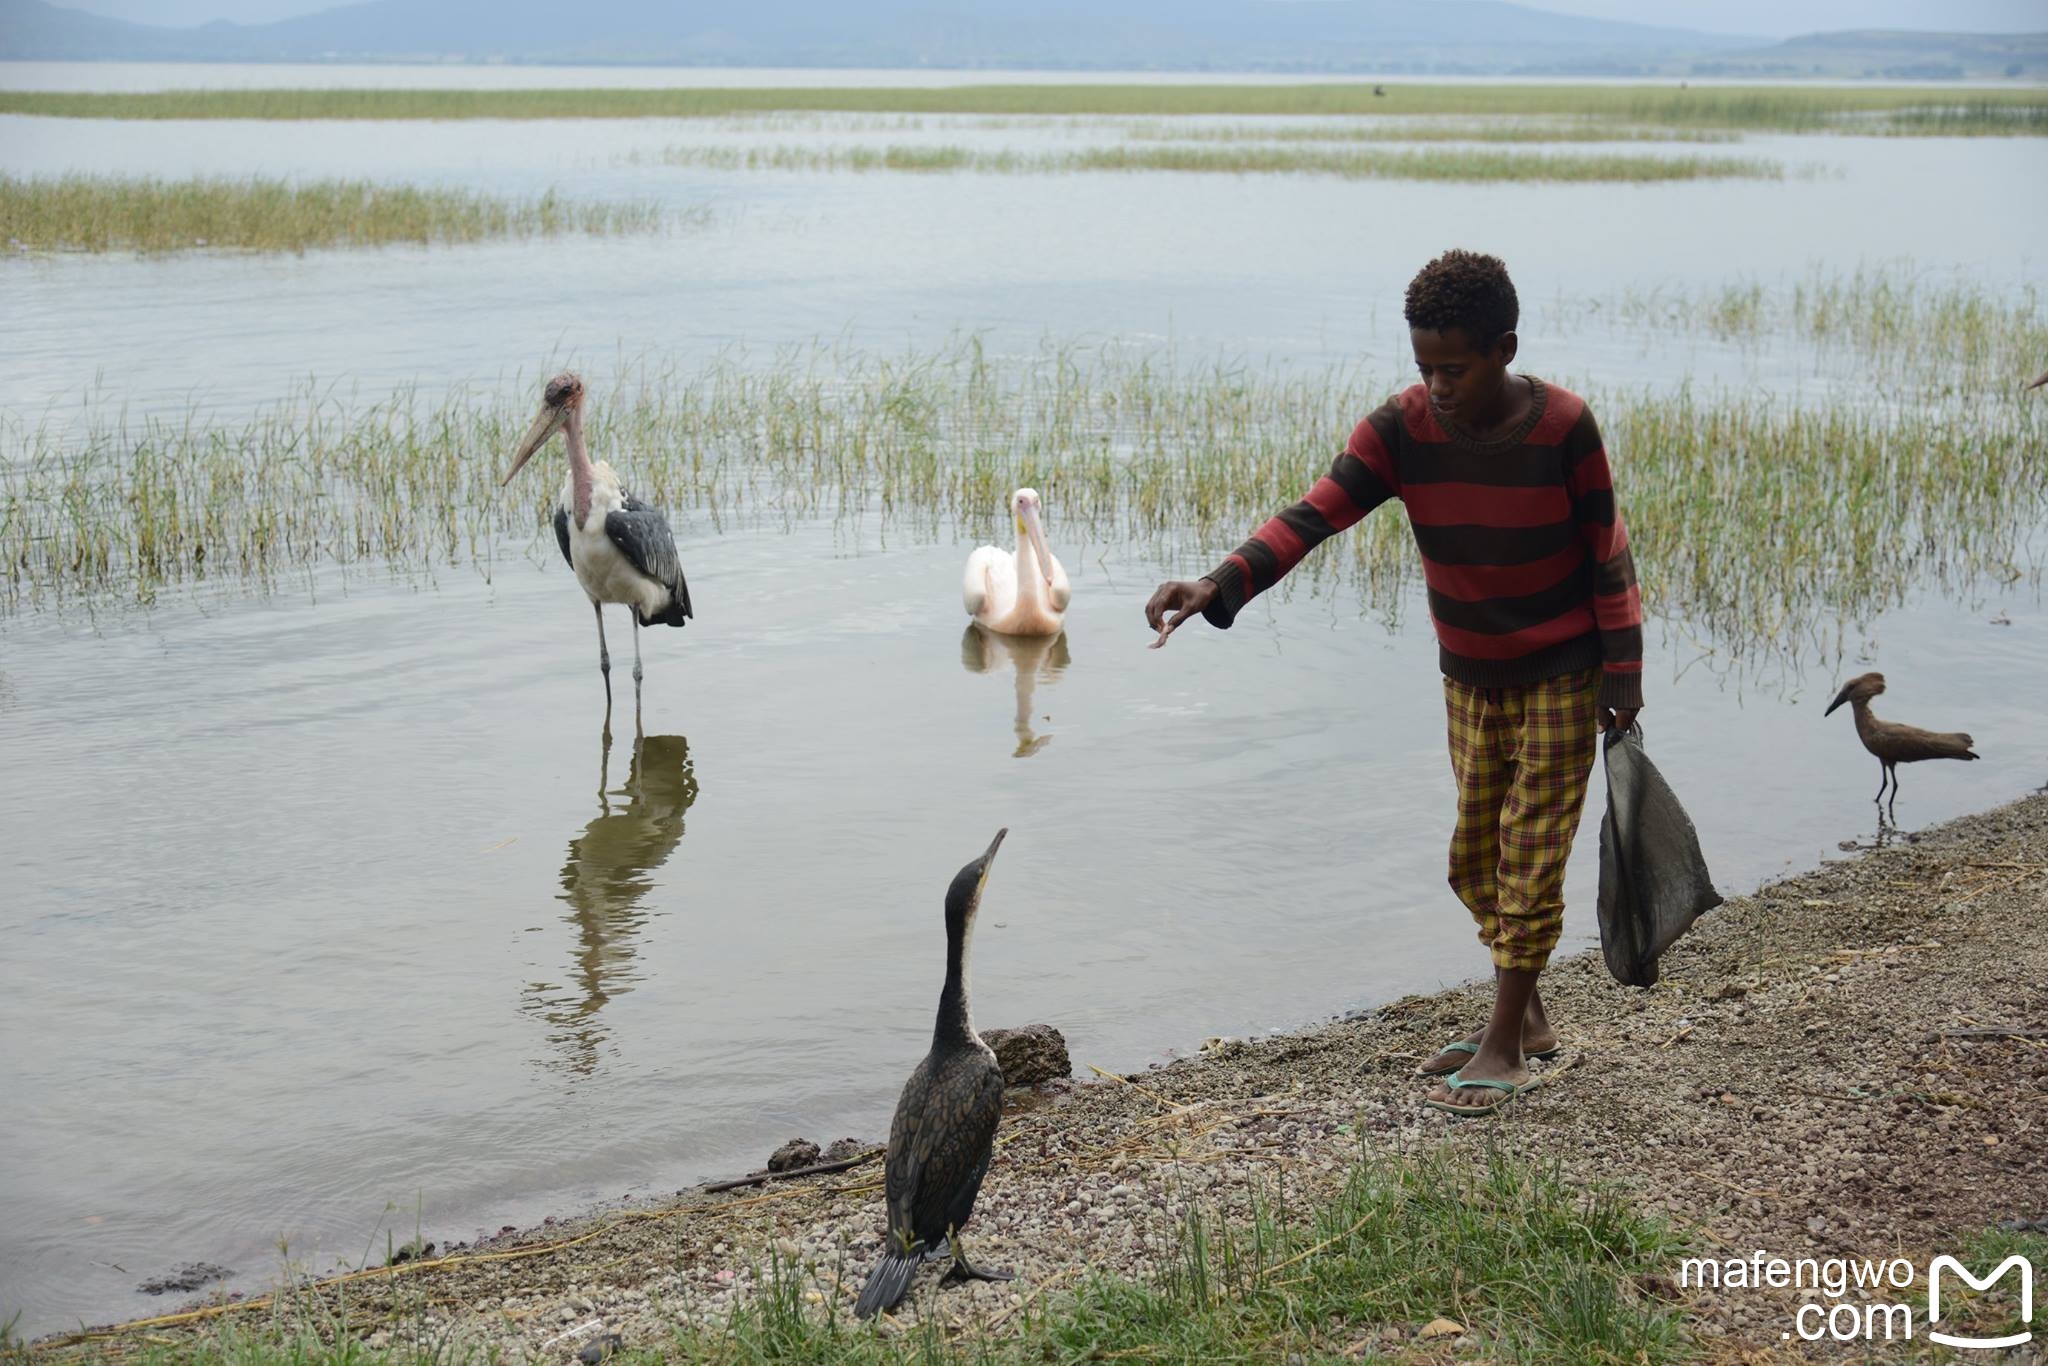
643	537
562	534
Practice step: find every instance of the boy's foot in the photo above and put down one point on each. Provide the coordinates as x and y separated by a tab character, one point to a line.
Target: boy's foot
1538	1043
1474	1096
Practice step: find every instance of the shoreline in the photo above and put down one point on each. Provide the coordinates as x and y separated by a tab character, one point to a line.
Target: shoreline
1846	1063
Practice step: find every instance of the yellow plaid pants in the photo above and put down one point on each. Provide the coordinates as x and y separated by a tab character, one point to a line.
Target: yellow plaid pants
1521	756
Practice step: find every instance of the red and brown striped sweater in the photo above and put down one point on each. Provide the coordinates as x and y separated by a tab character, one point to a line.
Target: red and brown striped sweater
1525	556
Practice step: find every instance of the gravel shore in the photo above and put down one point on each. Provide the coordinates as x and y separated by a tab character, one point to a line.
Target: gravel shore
1851	1063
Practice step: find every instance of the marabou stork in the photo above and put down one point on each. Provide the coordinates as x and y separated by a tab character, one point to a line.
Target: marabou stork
621	549
1022	592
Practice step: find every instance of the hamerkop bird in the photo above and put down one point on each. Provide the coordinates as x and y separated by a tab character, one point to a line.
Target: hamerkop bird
1892	743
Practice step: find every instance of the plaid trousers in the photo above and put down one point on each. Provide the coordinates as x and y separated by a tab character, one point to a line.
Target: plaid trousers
1521	756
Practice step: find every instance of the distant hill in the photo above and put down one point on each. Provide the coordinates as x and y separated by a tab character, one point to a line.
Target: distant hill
1420	37
1892	54
1440	36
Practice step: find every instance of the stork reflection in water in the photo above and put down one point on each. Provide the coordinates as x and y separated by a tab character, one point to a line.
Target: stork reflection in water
605	880
621	549
1032	657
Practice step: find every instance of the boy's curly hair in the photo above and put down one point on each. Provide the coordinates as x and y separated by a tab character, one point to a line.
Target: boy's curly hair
1468	290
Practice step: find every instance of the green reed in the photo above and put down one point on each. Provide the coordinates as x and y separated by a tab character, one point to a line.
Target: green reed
1902	328
1437	163
1758	526
1411	130
108	213
1762	107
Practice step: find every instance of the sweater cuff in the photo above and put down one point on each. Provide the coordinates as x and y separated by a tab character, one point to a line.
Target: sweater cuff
1621	691
1230	595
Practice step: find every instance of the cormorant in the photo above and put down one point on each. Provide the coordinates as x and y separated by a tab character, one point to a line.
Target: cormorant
945	1126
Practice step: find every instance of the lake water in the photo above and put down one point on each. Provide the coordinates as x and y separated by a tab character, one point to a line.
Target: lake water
331	911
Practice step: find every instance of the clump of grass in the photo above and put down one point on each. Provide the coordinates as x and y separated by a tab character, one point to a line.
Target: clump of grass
103	213
1461	164
1926	333
1531	1266
1410	130
1761	527
1780	108
1969	118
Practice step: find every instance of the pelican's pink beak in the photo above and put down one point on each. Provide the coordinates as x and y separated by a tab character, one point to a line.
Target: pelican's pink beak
1028	515
545	424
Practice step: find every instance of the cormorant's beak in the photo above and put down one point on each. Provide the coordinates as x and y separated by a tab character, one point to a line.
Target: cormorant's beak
545	424
988	859
1840	698
1029	516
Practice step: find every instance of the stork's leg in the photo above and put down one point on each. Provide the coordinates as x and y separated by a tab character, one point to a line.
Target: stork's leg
604	664
636	651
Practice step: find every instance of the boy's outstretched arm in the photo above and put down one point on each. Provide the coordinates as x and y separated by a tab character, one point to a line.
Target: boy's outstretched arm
1360	479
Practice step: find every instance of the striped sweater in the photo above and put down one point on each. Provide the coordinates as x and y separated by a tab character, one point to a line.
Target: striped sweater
1525	556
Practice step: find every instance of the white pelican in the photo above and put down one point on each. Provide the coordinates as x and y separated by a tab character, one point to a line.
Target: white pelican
1022	592
621	549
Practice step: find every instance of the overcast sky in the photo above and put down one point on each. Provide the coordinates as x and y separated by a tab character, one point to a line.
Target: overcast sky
1770	18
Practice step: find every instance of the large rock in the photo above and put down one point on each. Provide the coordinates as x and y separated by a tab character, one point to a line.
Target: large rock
798	1152
1030	1055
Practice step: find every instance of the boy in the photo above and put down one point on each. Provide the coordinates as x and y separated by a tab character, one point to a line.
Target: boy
1538	620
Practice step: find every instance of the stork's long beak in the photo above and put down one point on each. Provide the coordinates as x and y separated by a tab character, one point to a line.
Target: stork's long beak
1036	532
1840	698
545	424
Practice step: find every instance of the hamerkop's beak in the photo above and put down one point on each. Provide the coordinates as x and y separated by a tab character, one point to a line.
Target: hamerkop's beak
1840	698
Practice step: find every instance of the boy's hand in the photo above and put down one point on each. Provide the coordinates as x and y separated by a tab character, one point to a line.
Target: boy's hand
1183	598
1610	719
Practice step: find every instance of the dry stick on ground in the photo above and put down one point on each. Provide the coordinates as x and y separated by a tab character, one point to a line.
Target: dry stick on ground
817	1169
2021	1035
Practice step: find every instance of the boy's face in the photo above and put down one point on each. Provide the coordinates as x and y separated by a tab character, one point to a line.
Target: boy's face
1462	377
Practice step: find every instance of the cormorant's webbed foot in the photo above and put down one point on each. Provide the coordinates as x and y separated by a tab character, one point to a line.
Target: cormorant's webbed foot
964	1270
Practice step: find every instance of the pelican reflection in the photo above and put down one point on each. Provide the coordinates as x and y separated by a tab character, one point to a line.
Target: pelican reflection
605	879
1033	658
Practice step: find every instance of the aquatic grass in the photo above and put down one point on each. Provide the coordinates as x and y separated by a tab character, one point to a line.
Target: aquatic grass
1438	163
1530	1266
1902	327
1968	118
1779	108
1411	130
1763	529
107	213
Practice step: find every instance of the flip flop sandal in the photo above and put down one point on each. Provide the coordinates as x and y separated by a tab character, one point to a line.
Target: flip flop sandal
1469	1049
1454	1081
